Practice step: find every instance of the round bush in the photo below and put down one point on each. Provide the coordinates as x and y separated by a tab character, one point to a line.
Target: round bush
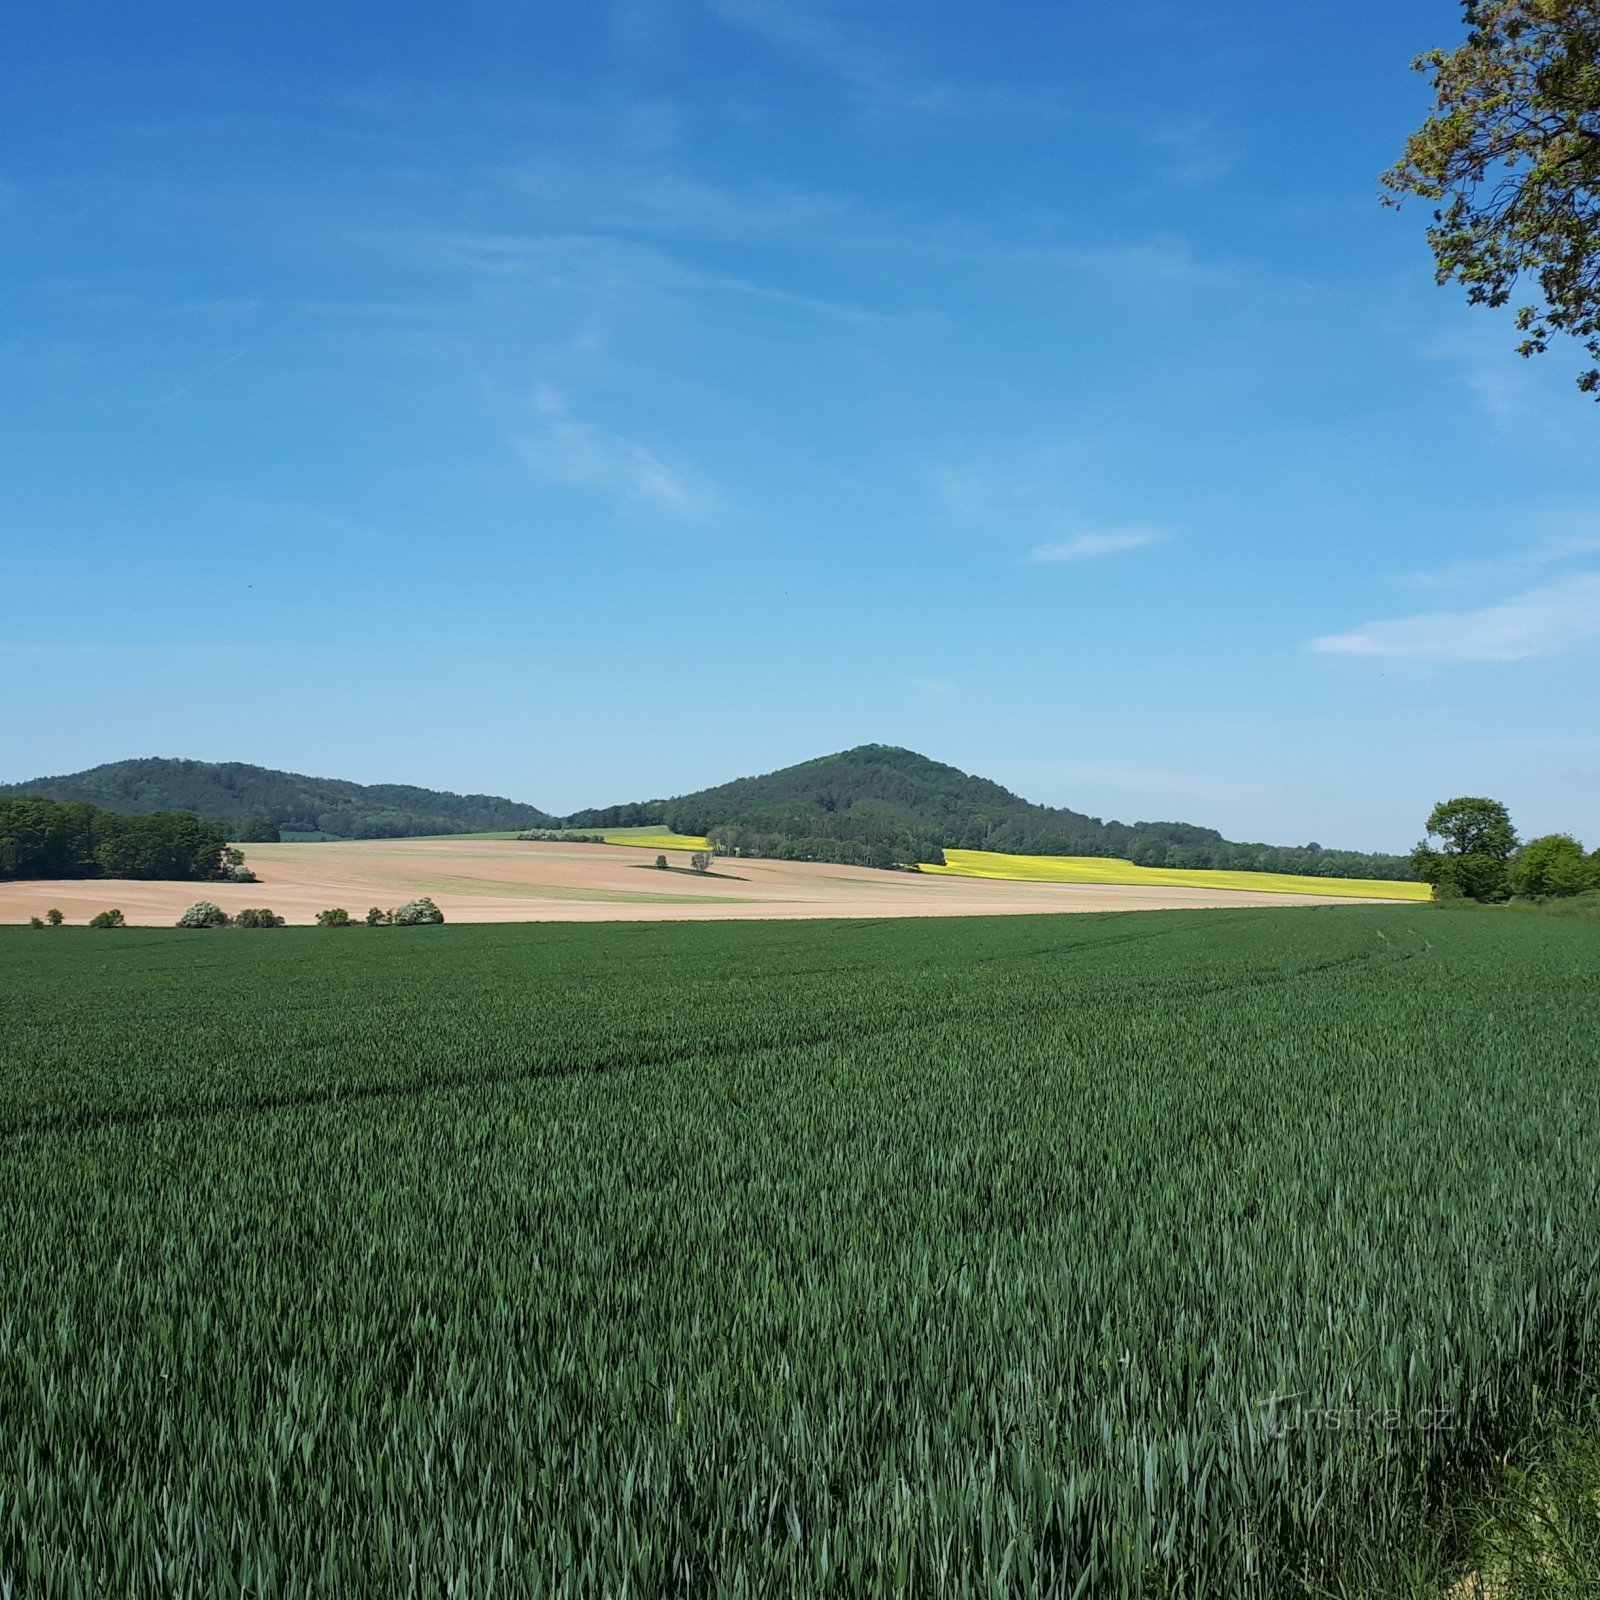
414	913
204	914
253	918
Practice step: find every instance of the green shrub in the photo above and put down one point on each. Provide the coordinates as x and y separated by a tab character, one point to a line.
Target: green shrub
204	914
251	917
1552	865
377	917
53	917
417	913
35	922
338	917
107	919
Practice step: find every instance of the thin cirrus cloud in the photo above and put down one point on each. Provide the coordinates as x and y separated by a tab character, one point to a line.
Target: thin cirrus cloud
566	450
1100	542
1545	621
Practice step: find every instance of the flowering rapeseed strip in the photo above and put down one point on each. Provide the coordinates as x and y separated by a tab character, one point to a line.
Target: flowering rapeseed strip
1105	869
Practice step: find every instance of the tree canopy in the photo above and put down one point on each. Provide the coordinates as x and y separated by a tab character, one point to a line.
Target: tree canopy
1478	839
1511	152
44	839
1552	865
253	803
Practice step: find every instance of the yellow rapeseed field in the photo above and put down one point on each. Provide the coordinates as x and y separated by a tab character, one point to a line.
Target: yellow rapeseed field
654	839
1100	869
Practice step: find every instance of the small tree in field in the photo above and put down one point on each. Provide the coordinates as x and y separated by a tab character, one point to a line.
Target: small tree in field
53	917
701	861
661	862
204	914
251	917
418	913
1478	839
107	919
35	922
338	917
377	917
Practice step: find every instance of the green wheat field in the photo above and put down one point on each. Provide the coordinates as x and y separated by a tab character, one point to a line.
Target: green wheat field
1160	1254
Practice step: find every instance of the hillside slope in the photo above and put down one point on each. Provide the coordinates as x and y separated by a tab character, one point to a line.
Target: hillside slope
878	804
238	795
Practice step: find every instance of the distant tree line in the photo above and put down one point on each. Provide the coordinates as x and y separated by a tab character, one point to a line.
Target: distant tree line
636	814
903	850
47	839
255	804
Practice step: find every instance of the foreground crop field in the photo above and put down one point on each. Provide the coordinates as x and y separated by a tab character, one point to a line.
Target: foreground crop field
1023	1256
1104	869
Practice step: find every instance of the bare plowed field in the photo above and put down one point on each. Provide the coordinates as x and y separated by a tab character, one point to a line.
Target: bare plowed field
505	880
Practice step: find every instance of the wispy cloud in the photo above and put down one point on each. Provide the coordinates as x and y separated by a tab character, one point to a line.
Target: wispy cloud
1193	151
1520	563
599	264
564	449
634	196
873	68
1098	542
1544	621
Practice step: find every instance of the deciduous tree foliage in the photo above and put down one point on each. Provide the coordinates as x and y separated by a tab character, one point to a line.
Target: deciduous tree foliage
1511	151
41	839
253	803
1478	840
1552	865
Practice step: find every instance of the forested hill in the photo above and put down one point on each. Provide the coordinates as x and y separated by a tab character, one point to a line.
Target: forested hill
879	805
256	802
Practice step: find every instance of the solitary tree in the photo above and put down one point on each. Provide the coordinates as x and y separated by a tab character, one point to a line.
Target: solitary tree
53	917
1478	838
701	861
661	863
1511	153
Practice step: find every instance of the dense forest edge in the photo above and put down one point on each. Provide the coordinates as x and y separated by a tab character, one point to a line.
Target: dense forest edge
881	806
53	839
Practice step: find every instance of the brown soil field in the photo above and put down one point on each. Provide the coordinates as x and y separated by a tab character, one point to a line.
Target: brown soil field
506	880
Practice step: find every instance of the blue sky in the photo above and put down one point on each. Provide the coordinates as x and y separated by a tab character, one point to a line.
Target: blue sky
584	401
